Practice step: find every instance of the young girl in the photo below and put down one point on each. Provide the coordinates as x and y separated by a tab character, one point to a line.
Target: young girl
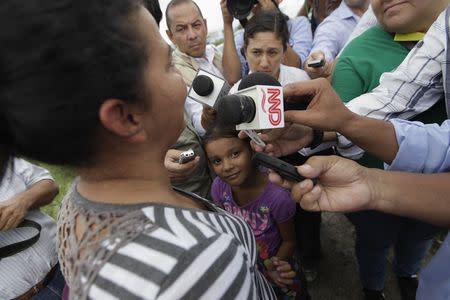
243	190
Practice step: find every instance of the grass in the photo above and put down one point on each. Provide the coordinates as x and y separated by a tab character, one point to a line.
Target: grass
63	177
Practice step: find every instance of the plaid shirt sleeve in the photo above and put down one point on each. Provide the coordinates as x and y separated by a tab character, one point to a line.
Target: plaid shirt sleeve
415	86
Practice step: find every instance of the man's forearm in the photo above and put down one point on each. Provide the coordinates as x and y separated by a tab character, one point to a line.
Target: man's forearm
291	58
374	136
420	196
230	60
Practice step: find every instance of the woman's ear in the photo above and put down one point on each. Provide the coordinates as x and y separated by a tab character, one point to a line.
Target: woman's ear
122	119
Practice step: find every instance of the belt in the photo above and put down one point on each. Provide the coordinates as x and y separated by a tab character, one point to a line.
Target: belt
39	286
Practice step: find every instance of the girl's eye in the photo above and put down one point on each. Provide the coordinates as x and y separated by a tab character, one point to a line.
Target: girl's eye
216	162
235	154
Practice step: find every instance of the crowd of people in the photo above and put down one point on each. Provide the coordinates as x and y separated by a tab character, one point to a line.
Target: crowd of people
93	86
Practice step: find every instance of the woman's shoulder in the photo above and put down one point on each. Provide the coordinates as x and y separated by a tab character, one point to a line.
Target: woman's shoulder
170	266
174	245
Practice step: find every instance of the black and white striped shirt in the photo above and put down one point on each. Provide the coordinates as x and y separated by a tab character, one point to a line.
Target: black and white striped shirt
179	253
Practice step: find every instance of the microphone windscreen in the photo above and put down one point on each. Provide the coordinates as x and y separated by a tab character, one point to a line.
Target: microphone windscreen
229	108
235	109
203	85
257	78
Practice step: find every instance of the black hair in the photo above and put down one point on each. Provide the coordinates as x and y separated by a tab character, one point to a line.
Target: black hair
267	21
59	61
174	3
154	8
218	131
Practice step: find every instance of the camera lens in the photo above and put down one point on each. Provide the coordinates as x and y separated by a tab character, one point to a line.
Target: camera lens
240	9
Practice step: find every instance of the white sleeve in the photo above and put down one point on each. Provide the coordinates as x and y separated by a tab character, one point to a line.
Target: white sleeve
194	111
30	173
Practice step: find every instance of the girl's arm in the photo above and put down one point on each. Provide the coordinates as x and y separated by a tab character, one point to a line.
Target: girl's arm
287	247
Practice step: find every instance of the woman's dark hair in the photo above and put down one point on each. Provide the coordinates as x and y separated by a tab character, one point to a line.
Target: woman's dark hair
59	60
267	21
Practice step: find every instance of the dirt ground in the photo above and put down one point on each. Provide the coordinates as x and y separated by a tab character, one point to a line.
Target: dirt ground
338	270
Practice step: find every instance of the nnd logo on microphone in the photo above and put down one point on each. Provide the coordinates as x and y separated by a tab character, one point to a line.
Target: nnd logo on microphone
269	107
274	103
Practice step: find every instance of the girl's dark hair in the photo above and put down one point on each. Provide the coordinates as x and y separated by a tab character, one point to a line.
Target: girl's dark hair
267	21
218	131
59	60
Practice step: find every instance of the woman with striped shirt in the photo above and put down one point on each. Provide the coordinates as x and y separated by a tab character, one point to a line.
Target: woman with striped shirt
90	84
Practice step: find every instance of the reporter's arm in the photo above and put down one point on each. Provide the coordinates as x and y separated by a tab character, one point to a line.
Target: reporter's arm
230	60
423	148
300	41
419	196
345	186
374	136
291	58
327	112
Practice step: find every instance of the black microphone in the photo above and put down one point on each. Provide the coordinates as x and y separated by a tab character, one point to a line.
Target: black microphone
257	78
203	85
235	109
241	108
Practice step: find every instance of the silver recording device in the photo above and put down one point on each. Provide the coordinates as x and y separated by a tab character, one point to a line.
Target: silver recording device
186	156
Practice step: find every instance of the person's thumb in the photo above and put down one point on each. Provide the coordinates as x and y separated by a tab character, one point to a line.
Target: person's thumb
317	55
315	166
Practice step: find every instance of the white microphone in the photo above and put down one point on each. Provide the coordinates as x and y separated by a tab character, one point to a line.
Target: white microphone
206	88
259	105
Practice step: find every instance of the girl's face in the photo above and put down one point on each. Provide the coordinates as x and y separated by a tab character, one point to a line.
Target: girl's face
230	159
165	90
264	53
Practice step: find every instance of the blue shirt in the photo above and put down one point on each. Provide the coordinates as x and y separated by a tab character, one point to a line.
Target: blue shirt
332	34
300	40
434	280
425	148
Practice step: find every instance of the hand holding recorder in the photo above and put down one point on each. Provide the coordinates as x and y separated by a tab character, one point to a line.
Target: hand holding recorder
180	171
